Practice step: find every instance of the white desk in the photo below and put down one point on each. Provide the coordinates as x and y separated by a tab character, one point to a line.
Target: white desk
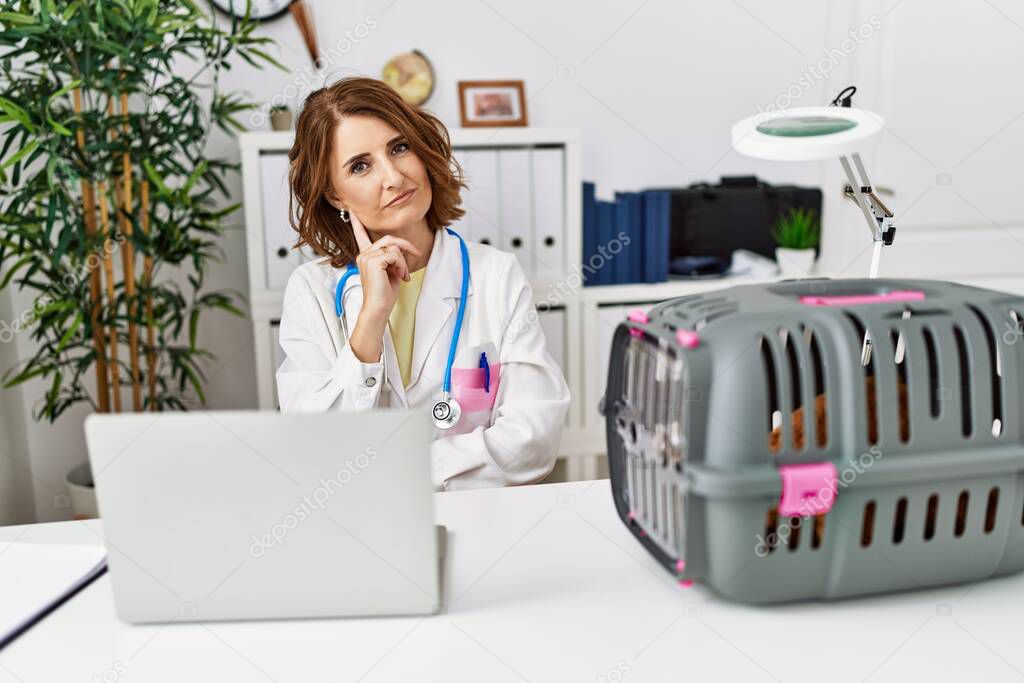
543	584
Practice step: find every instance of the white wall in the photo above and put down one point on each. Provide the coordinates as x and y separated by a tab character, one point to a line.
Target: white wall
655	87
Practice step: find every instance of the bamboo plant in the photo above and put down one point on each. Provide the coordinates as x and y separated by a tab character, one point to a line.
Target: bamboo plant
109	202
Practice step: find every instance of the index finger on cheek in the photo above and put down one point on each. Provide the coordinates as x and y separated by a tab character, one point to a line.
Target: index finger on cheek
362	237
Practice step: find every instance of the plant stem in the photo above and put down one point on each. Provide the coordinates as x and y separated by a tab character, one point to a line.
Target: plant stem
128	259
147	279
95	295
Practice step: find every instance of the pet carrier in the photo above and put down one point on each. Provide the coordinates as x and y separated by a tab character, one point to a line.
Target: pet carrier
822	438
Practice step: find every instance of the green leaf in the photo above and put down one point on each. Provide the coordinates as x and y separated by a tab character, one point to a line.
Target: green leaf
18	265
55	389
196	174
70	332
15	18
63	91
266	57
17	113
60	128
55	307
193	328
155	178
20	154
25	376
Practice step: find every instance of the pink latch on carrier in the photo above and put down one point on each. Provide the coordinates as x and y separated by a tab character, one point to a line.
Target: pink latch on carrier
637	315
688	339
807	489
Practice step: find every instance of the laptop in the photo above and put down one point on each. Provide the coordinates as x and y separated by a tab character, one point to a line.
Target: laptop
212	515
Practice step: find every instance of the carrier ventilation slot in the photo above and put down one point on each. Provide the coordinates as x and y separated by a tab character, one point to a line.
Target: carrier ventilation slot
965	381
995	371
930	517
771	382
991	508
902	390
774	536
794	533
869	378
867	527
717	307
700	302
899	522
820	396
796	390
818	534
771	526
711	316
961	514
917	313
933	371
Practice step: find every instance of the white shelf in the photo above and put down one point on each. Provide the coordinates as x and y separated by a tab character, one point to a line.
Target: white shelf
660	291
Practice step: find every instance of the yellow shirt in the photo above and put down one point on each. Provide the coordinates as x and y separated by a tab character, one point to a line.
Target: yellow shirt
403	321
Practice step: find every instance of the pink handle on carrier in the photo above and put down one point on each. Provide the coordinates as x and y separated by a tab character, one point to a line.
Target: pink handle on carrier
857	299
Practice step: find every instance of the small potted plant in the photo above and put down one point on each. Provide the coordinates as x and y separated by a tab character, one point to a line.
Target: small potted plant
280	117
796	235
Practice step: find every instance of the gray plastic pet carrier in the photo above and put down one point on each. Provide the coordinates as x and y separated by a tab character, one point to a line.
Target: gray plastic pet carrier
822	438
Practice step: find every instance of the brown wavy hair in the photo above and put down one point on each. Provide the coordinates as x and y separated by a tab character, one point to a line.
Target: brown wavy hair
309	177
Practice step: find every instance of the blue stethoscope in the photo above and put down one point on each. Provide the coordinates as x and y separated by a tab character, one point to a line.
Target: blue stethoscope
447	411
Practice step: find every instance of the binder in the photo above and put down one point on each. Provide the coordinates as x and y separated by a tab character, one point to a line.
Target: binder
630	222
622	265
657	216
589	232
605	233
548	212
278	234
481	167
514	202
637	244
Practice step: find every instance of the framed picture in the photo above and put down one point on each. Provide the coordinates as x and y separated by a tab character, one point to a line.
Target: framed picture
492	103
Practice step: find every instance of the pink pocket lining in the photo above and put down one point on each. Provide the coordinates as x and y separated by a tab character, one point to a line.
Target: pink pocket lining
468	388
473	378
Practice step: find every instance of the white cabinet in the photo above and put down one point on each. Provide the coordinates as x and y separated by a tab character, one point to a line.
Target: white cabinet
553	323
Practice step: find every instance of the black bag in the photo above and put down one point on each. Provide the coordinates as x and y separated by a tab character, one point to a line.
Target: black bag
740	213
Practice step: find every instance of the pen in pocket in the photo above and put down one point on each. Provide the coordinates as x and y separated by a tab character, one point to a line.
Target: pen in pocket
487	372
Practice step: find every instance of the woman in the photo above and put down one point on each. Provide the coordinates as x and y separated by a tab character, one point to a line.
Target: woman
372	184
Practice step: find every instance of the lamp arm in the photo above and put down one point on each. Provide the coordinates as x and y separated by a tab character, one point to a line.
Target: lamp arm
876	213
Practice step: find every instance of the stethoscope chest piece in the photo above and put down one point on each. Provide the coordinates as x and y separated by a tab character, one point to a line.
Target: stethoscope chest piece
446	413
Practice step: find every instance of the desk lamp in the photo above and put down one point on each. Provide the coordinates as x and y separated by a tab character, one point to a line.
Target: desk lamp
815	133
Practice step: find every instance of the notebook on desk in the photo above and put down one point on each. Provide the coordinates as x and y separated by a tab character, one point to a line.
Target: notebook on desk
35	578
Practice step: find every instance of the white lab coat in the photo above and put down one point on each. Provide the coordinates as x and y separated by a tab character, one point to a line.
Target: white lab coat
508	435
